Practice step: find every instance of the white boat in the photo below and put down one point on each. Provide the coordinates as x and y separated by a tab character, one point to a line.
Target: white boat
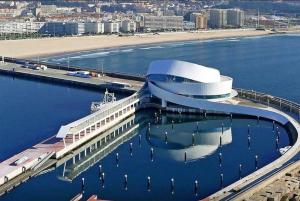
107	99
284	150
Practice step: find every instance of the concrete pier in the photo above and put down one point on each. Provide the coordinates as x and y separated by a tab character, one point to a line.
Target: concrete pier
100	82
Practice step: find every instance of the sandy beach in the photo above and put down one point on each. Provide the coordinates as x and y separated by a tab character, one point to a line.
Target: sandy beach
49	46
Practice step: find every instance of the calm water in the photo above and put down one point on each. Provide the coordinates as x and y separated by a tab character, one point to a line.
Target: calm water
273	62
36	110
202	162
33	111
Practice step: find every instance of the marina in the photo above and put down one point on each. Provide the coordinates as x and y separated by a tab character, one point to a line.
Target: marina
76	139
75	134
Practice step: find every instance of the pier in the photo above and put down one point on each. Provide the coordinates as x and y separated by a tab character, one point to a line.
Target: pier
59	74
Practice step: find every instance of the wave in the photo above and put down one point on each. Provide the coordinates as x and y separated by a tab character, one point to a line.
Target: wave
92	55
151	47
127	50
233	40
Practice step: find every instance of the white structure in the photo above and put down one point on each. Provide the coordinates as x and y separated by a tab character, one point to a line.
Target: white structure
128	26
186	85
93	27
111	27
20	27
163	22
217	18
235	17
189	80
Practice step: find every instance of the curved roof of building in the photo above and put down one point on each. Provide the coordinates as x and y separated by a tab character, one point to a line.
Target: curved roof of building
184	69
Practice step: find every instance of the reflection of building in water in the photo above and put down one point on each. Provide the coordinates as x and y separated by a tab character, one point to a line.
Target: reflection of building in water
180	139
92	152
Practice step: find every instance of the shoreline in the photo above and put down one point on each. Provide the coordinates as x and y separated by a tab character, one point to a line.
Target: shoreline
45	47
28	48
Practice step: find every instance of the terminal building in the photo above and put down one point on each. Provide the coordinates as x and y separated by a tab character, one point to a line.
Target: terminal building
175	81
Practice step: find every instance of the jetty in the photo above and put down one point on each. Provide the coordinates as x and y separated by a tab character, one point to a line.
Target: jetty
54	73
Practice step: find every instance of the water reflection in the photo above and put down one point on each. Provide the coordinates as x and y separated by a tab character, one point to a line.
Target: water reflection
132	141
95	150
196	139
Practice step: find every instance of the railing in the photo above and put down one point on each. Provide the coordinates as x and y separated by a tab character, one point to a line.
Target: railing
97	116
269	100
131	76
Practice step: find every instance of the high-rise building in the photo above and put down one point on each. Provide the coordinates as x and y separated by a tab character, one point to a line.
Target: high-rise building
128	26
63	28
163	22
235	17
217	18
201	21
111	27
93	27
20	27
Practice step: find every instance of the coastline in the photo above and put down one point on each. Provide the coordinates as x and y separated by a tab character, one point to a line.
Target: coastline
28	48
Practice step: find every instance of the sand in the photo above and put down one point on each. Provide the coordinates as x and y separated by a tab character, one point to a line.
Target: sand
50	46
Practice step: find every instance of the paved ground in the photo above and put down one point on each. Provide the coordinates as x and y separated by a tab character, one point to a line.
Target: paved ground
61	74
283	186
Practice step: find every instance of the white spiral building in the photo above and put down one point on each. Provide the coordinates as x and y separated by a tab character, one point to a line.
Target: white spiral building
188	85
170	78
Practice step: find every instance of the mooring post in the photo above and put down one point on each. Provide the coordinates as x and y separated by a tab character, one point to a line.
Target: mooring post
249	142
256	162
117	159
151	154
172	185
126	182
100	170
82	184
102	179
221	180
240	171
130	148
193	139
148	183
140	140
166	137
196	186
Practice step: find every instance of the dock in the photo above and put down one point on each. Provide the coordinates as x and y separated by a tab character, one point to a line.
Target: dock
59	74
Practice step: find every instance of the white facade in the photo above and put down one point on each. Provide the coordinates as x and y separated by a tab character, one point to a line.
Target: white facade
94	27
20	27
189	80
128	26
235	17
217	18
163	22
212	93
111	27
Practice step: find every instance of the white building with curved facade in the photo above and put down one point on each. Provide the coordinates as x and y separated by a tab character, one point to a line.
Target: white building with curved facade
168	78
188	85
